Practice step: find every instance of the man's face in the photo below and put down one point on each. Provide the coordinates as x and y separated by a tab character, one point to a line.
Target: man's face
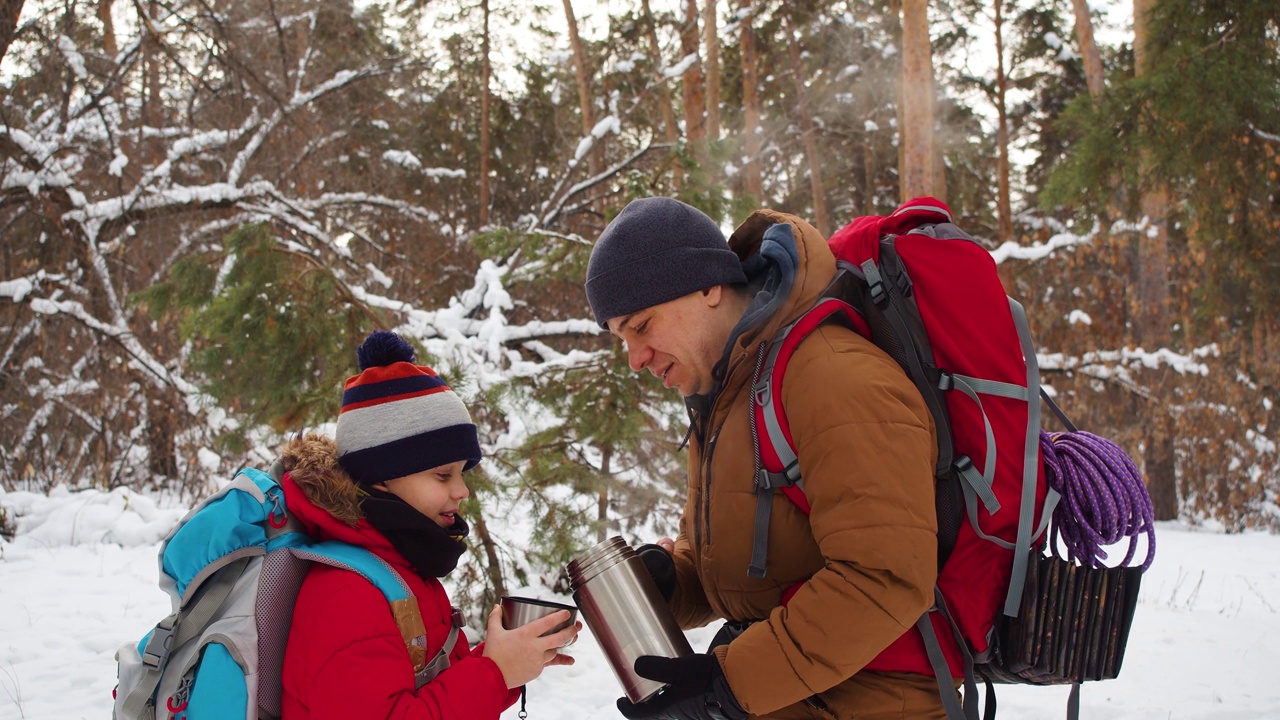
679	341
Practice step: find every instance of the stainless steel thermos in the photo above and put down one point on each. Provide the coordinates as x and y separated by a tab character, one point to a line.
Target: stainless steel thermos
624	610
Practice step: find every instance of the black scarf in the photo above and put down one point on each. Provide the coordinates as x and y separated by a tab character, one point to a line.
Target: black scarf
432	550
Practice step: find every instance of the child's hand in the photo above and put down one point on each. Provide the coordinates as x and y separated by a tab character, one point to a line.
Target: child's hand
521	654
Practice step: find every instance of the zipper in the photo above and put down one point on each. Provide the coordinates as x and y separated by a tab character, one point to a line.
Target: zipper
706	481
702	492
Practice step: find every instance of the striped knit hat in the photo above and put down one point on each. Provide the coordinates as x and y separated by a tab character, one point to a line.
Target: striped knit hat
398	418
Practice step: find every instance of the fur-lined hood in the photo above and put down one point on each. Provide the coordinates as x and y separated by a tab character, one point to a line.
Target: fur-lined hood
312	461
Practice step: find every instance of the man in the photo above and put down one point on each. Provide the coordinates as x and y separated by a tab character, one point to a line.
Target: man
697	312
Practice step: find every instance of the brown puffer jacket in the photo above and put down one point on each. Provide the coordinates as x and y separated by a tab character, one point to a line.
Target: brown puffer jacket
867	553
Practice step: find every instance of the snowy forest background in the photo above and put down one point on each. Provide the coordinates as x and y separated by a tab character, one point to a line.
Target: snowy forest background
205	205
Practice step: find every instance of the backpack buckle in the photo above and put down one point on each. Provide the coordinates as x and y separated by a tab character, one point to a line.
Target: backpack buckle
157	649
946	381
875	283
766	480
760	392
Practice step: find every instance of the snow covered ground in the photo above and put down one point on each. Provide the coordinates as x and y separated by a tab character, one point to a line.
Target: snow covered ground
79	579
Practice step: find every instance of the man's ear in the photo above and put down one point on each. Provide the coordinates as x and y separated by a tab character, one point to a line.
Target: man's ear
713	295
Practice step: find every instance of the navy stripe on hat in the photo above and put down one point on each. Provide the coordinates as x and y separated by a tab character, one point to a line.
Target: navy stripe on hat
391	388
413	454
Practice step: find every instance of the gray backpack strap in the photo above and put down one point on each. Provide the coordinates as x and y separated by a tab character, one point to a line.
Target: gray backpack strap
1030	464
764	481
441	661
978	486
176	630
942	671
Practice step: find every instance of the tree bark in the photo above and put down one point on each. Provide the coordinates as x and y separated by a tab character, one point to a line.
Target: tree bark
582	73
1093	74
810	136
493	564
108	28
602	497
751	102
915	112
485	104
670	130
711	41
692	81
1004	209
1151	305
10	11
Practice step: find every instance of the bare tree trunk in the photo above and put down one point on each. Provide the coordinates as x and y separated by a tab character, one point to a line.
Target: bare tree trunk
108	28
10	11
694	125
582	72
1152	304
711	41
868	179
493	565
915	112
485	101
1004	209
669	128
602	498
938	178
1088	48
751	102
810	136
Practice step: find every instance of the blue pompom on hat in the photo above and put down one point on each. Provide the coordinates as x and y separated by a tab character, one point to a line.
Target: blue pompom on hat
656	250
399	418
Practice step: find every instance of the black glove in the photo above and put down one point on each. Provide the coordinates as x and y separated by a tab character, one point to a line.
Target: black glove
661	567
697	690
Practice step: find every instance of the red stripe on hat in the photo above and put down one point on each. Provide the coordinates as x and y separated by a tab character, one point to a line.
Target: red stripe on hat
388	372
393	398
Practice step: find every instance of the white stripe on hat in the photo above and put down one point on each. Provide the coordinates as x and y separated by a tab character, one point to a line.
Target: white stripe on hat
387	422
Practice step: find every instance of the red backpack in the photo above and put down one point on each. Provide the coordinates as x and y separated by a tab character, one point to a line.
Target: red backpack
928	294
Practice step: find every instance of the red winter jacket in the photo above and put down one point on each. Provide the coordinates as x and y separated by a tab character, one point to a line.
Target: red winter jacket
345	658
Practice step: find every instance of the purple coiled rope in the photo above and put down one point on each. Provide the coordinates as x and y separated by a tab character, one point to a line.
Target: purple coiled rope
1103	497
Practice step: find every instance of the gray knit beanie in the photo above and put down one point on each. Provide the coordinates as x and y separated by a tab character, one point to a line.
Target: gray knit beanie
656	250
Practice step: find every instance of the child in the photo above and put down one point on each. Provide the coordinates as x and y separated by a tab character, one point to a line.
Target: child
392	483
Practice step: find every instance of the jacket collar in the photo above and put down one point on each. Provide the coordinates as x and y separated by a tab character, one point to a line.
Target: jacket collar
321	496
788	266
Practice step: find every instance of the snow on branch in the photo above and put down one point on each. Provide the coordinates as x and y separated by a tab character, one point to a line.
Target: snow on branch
681	67
473	334
1264	135
552	211
1038	250
121	334
1119	365
409	161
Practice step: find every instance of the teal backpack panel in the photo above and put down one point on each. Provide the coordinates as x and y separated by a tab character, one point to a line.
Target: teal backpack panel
232	568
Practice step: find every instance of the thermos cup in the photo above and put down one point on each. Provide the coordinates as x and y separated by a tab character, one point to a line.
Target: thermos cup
626	613
517	611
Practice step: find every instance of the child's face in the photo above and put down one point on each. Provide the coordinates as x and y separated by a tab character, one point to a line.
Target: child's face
435	493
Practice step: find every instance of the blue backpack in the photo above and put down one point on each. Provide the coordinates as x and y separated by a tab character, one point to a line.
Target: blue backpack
233	567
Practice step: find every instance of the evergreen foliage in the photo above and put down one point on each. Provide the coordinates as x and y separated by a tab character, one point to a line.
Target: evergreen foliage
271	330
1196	123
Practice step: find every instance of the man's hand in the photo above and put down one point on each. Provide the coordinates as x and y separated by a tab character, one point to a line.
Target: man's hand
696	690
